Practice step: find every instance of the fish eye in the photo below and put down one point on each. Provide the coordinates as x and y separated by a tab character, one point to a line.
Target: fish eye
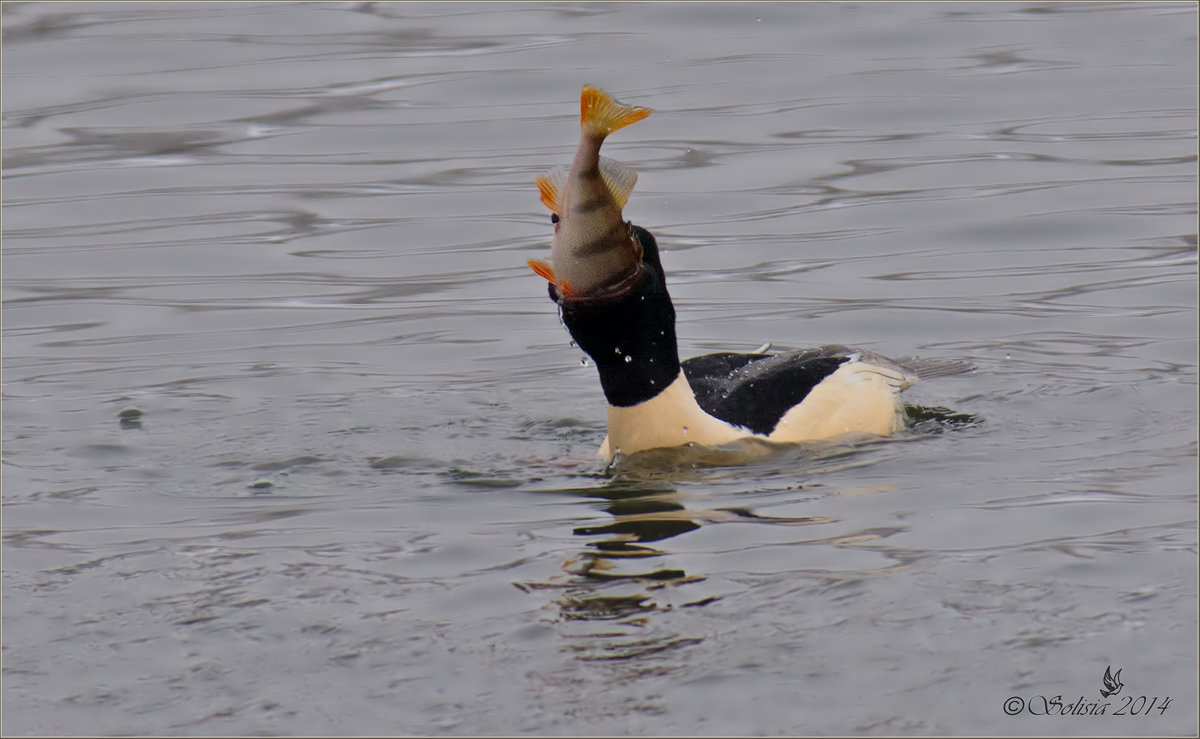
554	218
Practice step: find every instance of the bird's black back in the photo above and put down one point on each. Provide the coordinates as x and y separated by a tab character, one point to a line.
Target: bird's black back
756	390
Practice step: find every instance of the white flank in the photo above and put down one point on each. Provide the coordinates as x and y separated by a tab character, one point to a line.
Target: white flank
671	418
857	398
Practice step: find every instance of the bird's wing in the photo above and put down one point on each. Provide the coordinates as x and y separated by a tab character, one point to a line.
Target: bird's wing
755	390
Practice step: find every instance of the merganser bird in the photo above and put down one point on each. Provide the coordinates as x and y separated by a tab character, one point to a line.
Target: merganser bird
607	277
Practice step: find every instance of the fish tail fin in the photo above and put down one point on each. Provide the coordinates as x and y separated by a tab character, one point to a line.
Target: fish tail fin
619	180
601	113
551	185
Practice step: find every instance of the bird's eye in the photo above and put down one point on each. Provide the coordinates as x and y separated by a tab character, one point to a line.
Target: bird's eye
554	218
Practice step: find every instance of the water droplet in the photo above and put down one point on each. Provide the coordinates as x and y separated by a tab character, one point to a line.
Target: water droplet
758	20
616	350
652	382
628	359
685	429
1008	356
573	344
583	361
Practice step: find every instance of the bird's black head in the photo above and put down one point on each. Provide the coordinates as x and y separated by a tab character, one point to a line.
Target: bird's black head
629	330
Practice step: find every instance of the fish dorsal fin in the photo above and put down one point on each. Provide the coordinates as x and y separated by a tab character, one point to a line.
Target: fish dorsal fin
619	179
551	186
600	113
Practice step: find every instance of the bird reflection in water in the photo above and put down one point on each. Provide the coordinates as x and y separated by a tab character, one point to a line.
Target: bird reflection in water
626	579
624	582
651	512
646	508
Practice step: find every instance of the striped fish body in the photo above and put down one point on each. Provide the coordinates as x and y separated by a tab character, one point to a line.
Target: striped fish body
592	246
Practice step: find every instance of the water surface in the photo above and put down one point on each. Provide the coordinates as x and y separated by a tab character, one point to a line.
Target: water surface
294	443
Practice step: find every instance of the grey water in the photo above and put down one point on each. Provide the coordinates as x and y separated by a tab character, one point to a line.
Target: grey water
294	442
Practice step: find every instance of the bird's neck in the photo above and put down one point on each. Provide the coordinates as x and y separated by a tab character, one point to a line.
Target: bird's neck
630	337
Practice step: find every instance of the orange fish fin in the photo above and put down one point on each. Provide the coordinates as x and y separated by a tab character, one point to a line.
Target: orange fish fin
550	186
601	113
543	269
619	180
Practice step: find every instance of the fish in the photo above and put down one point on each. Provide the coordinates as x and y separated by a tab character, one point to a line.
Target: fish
593	246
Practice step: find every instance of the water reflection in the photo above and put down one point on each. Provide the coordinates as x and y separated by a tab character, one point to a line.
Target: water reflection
628	589
629	557
651	512
641	513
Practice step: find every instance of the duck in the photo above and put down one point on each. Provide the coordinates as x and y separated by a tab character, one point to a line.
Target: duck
606	276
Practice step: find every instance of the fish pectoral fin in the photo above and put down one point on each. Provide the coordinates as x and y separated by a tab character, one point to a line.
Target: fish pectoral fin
601	113
619	179
545	271
541	268
550	186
